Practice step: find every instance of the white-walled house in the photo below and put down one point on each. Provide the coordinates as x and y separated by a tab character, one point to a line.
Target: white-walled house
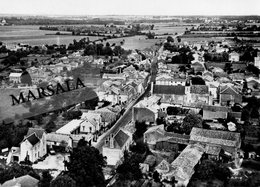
94	118
257	62
114	148
34	145
89	126
73	127
15	77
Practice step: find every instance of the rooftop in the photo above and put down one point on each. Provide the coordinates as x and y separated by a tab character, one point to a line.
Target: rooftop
121	138
199	89
183	165
165	89
39	132
24	181
15	75
69	127
218	137
33	139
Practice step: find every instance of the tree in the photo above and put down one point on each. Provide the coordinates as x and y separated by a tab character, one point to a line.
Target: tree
45	179
118	50
190	121
140	128
16	170
63	181
69	115
197	81
209	170
50	126
85	165
228	67
156	176
26	78
169	39
129	169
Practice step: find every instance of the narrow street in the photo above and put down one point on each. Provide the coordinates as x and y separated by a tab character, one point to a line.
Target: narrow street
122	121
127	116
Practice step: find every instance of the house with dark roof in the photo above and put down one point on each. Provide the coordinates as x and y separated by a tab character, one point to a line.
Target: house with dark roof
34	145
115	146
229	95
169	93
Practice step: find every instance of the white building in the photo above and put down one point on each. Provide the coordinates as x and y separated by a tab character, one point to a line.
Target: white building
93	118
73	127
33	145
15	77
114	147
167	79
257	62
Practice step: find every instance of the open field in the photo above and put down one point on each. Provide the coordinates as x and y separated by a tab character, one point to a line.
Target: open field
33	36
30	34
135	42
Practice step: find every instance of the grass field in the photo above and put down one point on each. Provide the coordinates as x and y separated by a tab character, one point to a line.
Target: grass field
33	36
135	42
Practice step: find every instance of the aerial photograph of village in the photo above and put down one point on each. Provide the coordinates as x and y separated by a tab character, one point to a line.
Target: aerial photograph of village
130	93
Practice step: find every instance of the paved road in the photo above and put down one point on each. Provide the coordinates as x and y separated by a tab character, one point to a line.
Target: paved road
123	120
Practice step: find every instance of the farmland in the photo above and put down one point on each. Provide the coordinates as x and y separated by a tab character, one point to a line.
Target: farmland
33	36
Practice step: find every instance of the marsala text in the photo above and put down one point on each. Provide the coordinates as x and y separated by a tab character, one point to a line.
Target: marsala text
50	90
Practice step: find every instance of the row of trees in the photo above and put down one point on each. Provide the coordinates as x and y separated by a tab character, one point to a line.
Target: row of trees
100	49
216	57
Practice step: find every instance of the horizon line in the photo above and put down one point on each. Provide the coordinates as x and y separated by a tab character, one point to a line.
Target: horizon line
82	15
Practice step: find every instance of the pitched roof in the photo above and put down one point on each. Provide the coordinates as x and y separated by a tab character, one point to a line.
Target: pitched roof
15	75
69	127
183	165
121	138
24	181
237	76
33	139
166	89
207	73
199	89
39	132
225	138
106	114
56	137
227	89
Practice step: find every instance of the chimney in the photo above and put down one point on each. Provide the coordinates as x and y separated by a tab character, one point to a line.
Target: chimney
111	142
